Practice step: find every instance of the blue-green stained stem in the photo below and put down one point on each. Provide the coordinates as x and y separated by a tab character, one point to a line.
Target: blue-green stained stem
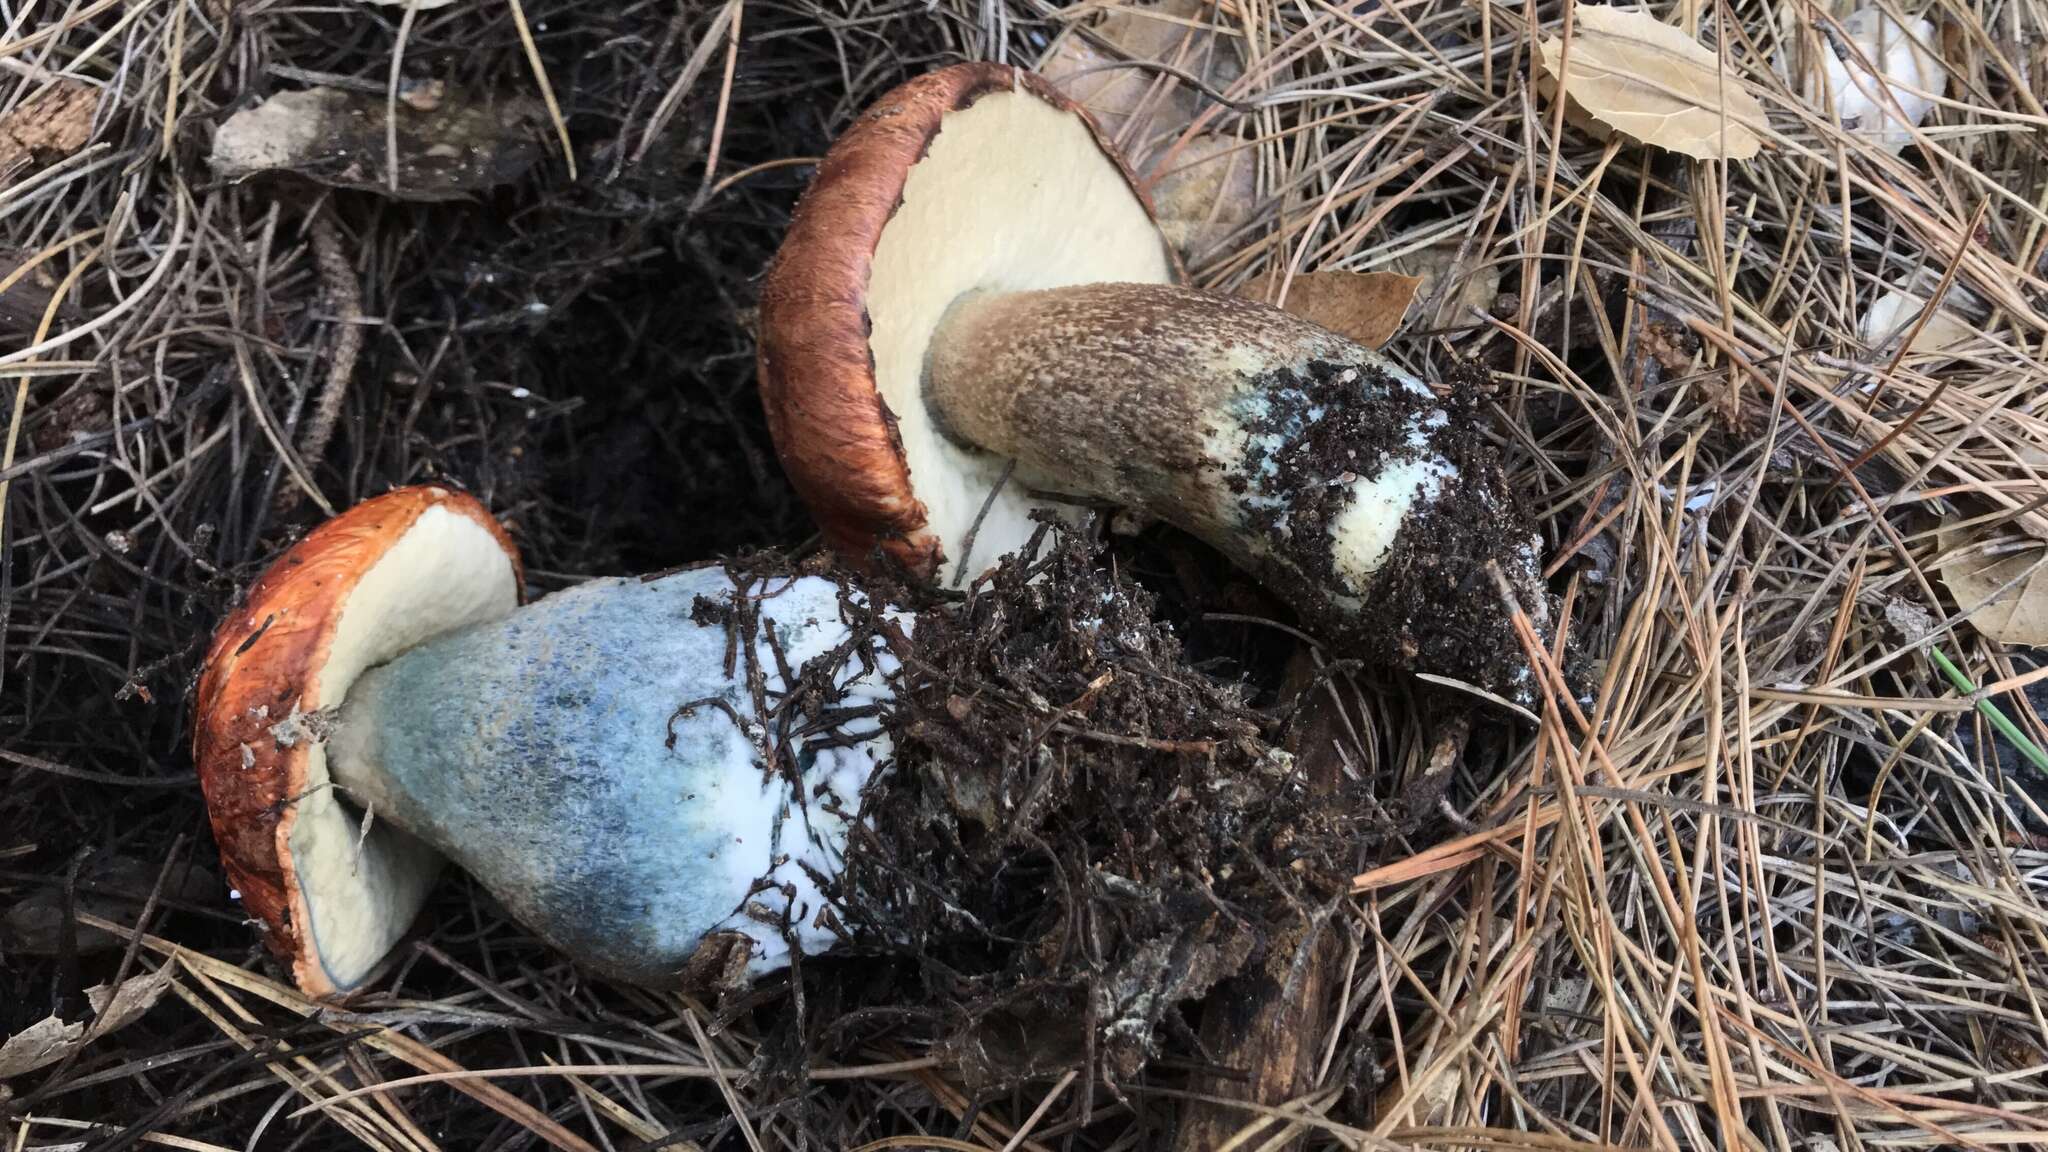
591	762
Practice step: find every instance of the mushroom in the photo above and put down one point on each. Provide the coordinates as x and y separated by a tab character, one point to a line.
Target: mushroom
598	760
974	316
1886	81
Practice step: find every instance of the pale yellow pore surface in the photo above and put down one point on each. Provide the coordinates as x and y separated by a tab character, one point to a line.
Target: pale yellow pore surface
1013	195
446	572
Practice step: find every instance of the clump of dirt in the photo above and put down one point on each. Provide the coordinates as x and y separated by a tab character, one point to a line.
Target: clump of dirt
1320	429
1434	604
1080	832
1431	605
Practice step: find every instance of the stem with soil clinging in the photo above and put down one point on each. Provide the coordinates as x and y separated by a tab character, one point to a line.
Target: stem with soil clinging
1307	459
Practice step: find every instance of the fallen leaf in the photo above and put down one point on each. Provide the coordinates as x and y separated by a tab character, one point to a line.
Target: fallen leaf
1364	306
1169	32
56	121
40	1044
49	1040
1633	74
1207	192
1893	314
1158	31
1097	79
2020	614
1467	284
124	1003
1909	618
450	148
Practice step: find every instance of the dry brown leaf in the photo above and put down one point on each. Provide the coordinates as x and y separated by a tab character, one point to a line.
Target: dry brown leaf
456	146
124	1003
1093	77
50	1039
1635	75
56	121
1365	306
1893	314
1207	192
1157	31
1114	92
2020	614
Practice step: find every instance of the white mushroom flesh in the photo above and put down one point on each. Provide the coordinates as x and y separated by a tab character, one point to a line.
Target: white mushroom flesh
1014	194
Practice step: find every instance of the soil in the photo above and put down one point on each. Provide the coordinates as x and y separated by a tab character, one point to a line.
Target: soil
1431	605
1082	833
1435	603
1331	420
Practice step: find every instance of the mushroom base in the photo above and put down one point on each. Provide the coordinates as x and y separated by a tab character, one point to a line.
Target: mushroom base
1342	483
613	765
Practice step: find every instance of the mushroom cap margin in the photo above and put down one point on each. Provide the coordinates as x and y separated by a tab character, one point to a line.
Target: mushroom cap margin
265	658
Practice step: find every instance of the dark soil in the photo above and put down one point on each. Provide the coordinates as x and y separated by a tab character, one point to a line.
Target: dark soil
1432	606
1082	833
1333	421
1435	603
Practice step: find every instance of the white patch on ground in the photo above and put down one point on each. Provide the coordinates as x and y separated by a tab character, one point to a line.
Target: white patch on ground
446	572
1012	196
1881	100
279	133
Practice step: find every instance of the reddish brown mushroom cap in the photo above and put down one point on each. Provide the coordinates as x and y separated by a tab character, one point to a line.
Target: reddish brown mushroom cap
381	577
977	177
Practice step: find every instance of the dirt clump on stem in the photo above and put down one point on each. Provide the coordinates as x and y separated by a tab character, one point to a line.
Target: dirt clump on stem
1435	605
1431	603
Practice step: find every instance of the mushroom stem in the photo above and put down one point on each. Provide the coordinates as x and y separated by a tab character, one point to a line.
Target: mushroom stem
1341	482
601	761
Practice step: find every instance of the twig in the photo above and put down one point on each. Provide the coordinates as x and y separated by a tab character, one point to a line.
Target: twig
338	279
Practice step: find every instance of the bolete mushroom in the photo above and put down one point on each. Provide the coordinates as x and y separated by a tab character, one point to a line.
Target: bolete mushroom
973	315
598	759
